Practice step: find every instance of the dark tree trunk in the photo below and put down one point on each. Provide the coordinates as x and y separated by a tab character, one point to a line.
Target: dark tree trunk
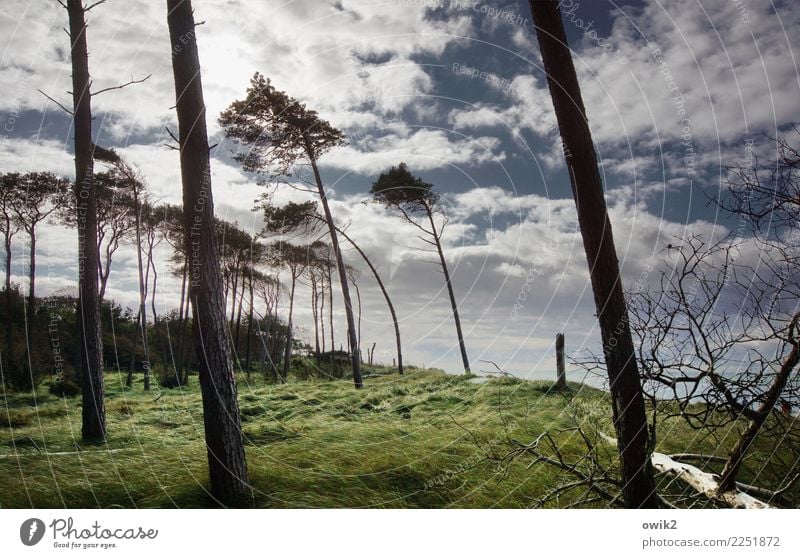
453	303
226	459
385	295
88	314
358	337
9	354
348	305
7	243
630	420
32	273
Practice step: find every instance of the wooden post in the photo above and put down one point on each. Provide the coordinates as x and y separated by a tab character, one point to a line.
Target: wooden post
562	374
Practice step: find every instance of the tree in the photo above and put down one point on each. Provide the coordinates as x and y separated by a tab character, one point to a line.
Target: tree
268	289
305	218
281	135
295	259
114	216
8	224
141	208
398	189
221	419
91	342
768	196
629	416
717	344
33	204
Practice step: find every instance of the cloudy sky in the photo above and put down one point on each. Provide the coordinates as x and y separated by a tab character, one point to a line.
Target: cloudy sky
676	92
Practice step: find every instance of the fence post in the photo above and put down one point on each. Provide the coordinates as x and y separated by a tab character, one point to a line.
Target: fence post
562	375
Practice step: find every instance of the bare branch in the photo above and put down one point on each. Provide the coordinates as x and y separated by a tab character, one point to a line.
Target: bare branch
124	85
92	6
65	109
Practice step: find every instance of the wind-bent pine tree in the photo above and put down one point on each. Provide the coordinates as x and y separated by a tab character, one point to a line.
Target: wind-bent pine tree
398	189
296	259
221	419
36	200
9	226
630	420
303	216
280	134
88	312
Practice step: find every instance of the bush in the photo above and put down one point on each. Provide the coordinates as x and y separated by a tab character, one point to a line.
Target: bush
64	388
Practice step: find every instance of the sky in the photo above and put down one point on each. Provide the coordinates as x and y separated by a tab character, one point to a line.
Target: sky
676	93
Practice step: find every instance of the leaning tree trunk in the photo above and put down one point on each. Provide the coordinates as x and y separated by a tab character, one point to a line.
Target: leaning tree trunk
348	305
453	304
385	295
629	416
226	459
88	314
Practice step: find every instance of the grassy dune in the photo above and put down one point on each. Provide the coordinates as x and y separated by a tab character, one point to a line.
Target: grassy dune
416	440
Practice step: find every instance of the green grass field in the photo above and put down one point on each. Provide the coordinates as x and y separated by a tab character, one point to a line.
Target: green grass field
415	440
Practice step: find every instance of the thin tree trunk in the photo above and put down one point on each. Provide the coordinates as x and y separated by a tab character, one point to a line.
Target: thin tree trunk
358	336
234	292
330	305
32	288
142	289
9	354
91	342
249	325
226	458
181	325
132	366
348	305
7	243
322	309
315	315
287	350
236	344
152	264
385	295
630	420
456	318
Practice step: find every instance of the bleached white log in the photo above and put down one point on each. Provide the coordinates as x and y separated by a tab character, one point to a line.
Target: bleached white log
705	483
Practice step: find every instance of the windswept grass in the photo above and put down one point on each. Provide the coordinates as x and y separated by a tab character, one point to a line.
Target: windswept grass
416	440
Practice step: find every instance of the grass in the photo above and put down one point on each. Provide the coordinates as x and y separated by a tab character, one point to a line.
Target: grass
402	441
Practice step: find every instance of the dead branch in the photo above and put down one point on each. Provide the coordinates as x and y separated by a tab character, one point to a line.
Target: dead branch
123	85
65	109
